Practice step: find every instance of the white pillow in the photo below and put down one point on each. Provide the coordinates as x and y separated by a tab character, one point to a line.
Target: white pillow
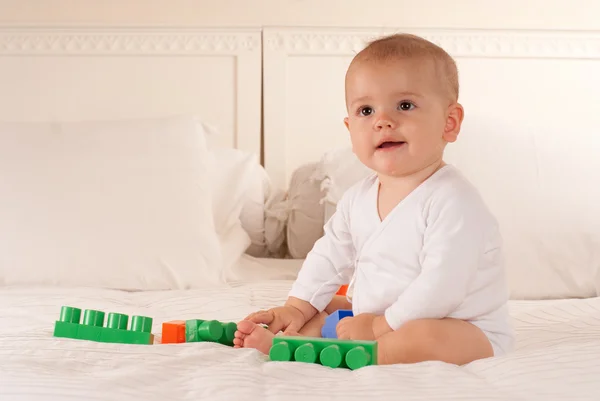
242	192
548	211
234	187
122	204
232	175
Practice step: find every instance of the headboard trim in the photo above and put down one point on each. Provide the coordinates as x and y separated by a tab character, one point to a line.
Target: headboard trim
52	41
518	44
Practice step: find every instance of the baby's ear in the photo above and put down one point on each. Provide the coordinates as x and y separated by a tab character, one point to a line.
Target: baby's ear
346	123
454	120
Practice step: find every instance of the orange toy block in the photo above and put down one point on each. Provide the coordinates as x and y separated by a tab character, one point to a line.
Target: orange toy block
342	291
173	332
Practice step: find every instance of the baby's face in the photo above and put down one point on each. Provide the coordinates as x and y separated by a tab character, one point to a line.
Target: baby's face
397	115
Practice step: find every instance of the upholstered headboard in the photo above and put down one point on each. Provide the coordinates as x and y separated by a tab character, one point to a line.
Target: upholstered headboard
85	73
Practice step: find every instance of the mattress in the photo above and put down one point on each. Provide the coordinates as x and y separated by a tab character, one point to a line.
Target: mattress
557	355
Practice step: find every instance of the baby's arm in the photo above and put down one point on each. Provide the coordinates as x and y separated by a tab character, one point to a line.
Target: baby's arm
329	264
452	248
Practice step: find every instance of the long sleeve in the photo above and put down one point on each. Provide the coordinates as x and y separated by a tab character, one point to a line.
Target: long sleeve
330	263
453	246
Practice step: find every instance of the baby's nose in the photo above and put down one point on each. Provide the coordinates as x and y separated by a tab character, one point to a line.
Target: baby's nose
384	123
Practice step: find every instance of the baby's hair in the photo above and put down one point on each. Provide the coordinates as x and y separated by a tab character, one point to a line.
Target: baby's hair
399	46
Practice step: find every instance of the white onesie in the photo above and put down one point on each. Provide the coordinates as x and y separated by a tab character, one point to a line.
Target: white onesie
437	254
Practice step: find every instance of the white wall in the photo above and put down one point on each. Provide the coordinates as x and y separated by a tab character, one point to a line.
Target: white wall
506	14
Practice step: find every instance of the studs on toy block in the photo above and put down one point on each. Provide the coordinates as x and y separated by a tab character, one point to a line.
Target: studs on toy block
92	328
327	352
329	328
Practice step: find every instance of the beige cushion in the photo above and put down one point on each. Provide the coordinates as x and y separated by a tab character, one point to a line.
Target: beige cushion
306	211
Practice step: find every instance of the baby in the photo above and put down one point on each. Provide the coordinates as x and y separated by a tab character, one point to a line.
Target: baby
420	249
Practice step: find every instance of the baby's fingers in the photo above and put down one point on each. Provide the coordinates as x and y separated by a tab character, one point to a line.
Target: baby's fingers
276	326
261	317
341	330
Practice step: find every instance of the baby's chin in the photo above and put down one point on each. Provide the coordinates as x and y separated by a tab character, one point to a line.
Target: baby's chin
390	165
395	170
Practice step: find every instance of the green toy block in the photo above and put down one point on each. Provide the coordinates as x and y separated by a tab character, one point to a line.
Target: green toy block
116	330
66	330
126	337
92	328
334	353
197	330
228	334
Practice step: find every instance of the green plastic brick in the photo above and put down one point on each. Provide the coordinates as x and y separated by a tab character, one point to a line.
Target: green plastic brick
126	337
65	329
334	353
116	330
228	334
197	330
92	327
68	322
89	333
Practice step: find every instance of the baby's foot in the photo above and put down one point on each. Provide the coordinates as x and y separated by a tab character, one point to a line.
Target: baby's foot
251	335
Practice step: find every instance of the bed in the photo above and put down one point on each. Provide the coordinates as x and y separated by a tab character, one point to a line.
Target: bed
556	356
255	180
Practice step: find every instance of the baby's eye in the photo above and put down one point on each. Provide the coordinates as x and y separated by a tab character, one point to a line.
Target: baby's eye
406	106
365	111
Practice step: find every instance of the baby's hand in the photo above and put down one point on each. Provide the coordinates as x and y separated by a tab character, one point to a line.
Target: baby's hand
286	318
359	327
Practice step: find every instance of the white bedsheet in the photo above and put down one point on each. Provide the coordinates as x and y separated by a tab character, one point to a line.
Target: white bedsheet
557	356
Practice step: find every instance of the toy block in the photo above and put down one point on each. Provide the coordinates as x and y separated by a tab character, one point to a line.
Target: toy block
116	330
126	337
343	290
66	330
228	333
68	322
329	328
197	330
173	332
92	328
349	354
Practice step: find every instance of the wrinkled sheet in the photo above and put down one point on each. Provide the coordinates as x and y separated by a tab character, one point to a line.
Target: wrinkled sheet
557	355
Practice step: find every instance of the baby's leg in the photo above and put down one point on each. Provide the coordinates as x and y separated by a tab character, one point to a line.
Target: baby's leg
447	340
338	302
313	327
251	335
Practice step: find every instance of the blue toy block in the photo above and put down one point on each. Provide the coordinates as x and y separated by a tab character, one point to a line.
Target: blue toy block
328	330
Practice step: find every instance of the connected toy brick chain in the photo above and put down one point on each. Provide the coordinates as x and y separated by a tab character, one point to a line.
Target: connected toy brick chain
329	352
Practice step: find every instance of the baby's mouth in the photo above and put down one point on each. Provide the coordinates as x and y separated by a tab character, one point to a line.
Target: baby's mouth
390	144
